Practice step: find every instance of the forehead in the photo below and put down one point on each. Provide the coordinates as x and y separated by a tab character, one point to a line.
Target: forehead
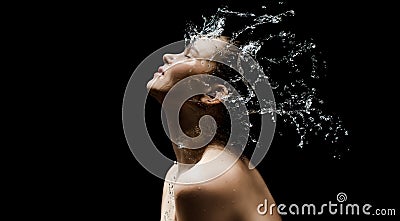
206	47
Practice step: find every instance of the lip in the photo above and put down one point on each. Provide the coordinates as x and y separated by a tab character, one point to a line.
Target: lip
161	69
157	74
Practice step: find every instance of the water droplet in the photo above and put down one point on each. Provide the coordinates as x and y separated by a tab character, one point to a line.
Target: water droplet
299	104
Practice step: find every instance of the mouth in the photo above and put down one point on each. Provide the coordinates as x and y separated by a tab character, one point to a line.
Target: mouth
158	74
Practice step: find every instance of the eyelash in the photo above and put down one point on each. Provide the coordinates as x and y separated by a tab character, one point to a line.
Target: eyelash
187	56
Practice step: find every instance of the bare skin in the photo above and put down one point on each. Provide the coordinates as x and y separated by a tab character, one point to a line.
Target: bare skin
232	196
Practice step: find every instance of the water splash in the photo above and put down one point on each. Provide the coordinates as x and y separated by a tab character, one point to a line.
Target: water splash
292	65
263	19
169	213
240	14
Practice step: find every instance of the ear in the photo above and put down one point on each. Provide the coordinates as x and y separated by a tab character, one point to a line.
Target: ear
215	95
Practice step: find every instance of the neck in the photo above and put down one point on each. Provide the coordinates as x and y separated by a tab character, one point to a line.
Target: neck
189	117
188	156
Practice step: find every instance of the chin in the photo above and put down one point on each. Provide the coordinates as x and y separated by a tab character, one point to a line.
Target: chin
151	88
151	84
148	86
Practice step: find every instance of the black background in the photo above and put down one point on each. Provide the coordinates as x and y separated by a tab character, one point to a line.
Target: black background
105	180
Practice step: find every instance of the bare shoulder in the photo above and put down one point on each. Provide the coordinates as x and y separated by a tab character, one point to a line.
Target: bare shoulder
216	183
217	197
233	195
215	175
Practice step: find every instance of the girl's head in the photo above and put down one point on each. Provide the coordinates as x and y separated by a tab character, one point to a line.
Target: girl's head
197	59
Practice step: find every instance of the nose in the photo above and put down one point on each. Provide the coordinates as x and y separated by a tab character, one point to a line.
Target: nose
168	58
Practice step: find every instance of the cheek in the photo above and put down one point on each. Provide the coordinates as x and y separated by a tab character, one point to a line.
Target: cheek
180	71
204	67
191	68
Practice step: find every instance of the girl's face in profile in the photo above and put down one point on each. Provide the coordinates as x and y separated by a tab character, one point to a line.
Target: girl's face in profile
193	60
